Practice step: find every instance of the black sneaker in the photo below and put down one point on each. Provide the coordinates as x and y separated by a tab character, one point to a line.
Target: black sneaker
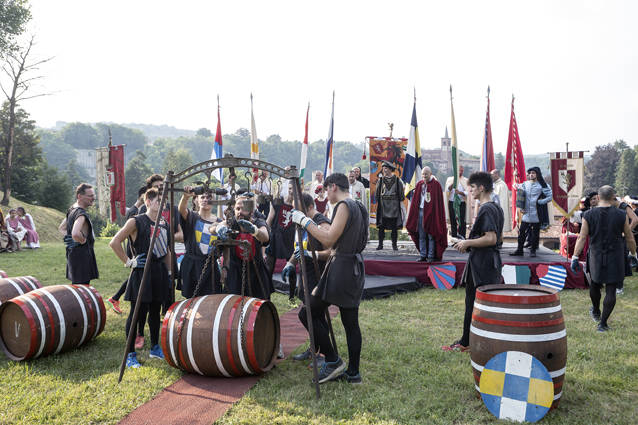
516	253
331	370
595	315
351	379
602	328
303	356
532	253
379	247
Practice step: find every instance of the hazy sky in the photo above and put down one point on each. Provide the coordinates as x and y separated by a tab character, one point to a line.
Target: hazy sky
572	65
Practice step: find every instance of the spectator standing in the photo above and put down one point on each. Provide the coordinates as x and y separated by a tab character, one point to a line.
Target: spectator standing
457	229
357	190
357	174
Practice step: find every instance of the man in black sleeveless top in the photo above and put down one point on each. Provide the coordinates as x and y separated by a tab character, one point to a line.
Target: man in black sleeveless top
77	229
484	264
605	226
343	279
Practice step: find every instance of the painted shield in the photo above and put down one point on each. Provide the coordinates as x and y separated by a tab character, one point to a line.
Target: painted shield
442	276
552	276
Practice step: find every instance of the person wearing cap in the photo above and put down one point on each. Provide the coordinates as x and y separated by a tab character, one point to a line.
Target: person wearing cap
389	195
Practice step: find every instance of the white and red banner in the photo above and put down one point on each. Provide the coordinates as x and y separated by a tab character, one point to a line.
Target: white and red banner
568	174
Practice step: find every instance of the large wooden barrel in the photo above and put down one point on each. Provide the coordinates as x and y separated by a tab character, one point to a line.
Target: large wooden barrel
525	318
50	320
202	335
12	287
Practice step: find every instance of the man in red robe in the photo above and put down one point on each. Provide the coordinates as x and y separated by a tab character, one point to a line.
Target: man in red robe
426	219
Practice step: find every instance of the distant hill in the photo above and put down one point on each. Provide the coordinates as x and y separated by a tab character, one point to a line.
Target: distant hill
46	220
154	132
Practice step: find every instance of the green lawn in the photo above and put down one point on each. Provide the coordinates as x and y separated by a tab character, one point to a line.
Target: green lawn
407	378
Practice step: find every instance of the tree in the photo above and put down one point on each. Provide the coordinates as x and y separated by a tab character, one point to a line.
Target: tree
135	174
14	15
54	189
204	132
82	136
627	174
56	152
16	67
600	169
177	160
121	135
75	173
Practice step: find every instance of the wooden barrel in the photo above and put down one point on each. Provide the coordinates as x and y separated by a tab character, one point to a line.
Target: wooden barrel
12	287
50	320
525	318
3	273
201	335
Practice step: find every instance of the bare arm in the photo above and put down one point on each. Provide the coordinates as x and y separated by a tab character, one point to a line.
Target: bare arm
629	237
183	203
179	234
271	215
262	234
633	219
329	236
129	229
62	227
582	237
80	230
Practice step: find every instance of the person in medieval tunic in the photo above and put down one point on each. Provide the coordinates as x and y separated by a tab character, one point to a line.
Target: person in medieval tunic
605	226
484	263
282	229
314	269
32	238
139	230
198	241
16	230
248	225
81	266
426	218
633	222
389	195
343	279
504	198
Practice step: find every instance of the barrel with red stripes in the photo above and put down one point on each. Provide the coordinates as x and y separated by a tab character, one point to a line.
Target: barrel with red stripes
525	318
50	320
202	335
12	287
3	274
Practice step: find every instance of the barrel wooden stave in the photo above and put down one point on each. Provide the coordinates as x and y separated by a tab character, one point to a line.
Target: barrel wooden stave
541	335
50	320
16	286
210	337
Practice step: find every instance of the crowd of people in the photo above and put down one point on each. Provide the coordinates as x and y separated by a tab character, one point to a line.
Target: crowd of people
17	231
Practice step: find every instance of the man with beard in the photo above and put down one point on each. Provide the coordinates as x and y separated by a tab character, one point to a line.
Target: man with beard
389	195
357	191
357	174
426	219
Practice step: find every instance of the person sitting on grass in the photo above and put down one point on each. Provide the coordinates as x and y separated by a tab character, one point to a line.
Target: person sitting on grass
32	239
484	264
16	231
6	243
156	291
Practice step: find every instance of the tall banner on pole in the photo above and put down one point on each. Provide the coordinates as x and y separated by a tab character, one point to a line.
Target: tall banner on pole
568	176
385	149
514	163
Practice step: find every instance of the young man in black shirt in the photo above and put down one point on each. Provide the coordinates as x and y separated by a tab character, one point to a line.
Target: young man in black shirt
484	264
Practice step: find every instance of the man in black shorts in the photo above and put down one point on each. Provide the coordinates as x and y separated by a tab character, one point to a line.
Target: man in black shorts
605	226
484	264
342	281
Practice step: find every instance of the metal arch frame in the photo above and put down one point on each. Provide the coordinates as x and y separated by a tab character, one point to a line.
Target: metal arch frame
292	173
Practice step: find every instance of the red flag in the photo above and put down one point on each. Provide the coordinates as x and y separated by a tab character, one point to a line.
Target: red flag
118	189
487	153
514	162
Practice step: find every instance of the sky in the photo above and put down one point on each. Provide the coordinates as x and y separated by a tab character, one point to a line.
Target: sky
571	65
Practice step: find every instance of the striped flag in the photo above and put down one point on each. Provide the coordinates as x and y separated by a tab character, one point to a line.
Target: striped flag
455	163
514	162
217	152
329	167
412	164
551	276
304	148
487	153
254	142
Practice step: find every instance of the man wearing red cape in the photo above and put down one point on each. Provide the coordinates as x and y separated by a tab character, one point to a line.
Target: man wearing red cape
426	219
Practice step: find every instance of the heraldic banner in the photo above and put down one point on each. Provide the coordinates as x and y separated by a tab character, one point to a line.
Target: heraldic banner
568	174
385	149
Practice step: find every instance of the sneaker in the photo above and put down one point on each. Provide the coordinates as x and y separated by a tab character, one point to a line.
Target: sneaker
156	352
351	379
139	342
115	305
303	356
280	354
320	362
131	361
516	253
620	291
456	346
379	247
331	370
595	315
602	328
532	253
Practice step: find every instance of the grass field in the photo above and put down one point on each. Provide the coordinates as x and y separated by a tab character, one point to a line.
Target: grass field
407	378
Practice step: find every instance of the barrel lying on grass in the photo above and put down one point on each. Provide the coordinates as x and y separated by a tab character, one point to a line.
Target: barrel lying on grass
50	320
12	287
202	335
525	318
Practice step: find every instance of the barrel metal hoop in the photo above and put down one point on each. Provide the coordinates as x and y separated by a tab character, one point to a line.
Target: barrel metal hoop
250	341
513	323
50	347
514	299
518	338
61	319
229	331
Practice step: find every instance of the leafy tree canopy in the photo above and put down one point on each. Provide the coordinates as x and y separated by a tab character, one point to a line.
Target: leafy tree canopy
14	15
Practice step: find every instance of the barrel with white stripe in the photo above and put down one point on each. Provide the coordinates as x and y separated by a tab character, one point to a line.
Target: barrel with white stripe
50	320
12	287
202	335
525	318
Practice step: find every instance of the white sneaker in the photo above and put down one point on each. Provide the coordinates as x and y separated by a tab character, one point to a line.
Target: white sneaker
620	291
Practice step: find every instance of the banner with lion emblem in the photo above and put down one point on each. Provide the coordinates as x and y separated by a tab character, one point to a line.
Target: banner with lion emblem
568	174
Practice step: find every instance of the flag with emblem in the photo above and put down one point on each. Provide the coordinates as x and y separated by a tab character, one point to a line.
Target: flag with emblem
204	236
552	276
513	275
